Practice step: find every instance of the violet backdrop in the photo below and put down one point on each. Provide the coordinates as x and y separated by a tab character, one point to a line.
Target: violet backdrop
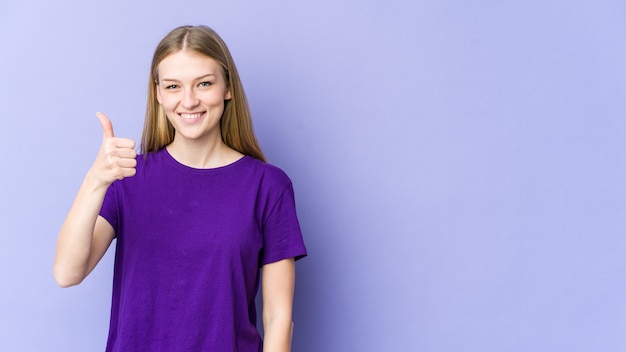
459	166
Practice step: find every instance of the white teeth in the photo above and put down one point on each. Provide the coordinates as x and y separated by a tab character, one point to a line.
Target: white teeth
191	116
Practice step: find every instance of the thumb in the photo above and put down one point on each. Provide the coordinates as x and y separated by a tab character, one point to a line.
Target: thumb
107	126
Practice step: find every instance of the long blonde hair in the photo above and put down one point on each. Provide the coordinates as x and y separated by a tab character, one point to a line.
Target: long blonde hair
236	121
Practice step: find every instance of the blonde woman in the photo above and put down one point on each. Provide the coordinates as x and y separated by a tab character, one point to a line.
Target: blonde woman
197	215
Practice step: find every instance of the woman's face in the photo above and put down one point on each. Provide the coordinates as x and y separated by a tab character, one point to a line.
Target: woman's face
191	89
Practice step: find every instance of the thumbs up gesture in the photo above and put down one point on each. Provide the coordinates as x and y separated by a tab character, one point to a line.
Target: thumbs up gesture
116	158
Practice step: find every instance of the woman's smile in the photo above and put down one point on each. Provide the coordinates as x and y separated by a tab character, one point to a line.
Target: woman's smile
191	117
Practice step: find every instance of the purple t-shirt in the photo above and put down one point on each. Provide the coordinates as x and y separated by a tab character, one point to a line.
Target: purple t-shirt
190	243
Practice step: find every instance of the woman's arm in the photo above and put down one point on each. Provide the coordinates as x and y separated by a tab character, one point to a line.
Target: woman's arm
83	239
85	236
278	281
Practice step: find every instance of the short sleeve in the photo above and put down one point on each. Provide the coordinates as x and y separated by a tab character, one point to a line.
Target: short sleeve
109	210
282	237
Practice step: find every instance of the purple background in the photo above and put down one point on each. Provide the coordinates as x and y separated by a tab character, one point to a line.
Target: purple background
459	165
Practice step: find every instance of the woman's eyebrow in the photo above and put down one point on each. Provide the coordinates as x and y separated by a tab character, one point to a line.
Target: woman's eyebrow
196	79
205	76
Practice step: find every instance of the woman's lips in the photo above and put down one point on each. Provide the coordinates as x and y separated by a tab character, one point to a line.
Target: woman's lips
191	116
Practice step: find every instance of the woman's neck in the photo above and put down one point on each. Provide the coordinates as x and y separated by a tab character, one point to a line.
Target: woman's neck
202	155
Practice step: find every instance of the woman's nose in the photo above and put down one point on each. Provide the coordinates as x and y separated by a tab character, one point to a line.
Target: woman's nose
190	99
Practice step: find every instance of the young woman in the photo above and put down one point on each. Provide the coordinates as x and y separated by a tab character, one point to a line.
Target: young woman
197	216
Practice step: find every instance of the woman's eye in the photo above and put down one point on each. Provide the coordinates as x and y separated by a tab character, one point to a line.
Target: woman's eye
171	86
205	84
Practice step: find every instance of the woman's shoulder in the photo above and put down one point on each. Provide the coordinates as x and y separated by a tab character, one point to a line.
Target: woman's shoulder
269	177
268	170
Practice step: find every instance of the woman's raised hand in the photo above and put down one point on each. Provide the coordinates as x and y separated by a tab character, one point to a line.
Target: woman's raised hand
116	158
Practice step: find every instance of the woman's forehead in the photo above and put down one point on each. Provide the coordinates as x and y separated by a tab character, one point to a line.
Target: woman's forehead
186	64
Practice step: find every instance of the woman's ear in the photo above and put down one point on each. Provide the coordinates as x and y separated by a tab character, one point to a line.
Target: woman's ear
158	93
227	95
